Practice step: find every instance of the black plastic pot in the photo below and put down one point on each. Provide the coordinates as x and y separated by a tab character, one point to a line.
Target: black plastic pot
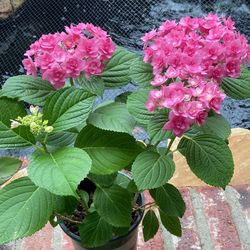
126	242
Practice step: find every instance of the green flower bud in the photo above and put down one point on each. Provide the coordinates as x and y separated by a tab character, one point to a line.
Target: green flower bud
49	129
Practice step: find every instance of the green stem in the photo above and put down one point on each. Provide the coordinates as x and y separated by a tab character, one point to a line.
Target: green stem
170	144
157	143
44	147
46	138
71	80
171	152
82	201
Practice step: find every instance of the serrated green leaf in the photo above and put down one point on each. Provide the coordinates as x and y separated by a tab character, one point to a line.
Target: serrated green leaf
28	89
123	97
68	108
24	209
113	204
61	139
94	84
116	72
103	180
95	231
209	158
136	106
238	88
150	225
122	181
8	167
171	223
155	126
114	117
13	138
59	172
65	204
169	200
141	73
217	125
109	151
151	170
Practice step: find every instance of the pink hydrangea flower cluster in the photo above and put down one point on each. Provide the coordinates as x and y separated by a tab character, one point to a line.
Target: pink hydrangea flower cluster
81	48
194	54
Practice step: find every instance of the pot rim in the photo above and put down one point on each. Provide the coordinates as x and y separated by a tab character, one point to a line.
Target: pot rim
132	227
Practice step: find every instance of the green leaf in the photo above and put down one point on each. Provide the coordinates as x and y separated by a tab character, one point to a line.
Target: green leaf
113	117
95	231
103	180
8	167
24	209
169	199
68	108
116	72
65	204
209	158
59	172
28	89
13	138
109	151
238	88
61	139
171	223
141	73
151	170
150	225
120	231
136	107
122	180
216	125
113	204
155	126
123	97
94	84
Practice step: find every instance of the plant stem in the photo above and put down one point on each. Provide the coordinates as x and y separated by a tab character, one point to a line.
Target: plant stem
82	201
157	143
71	80
67	219
170	144
46	138
150	204
171	152
44	147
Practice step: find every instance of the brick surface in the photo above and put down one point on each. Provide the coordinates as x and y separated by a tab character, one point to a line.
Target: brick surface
222	229
42	240
227	217
189	239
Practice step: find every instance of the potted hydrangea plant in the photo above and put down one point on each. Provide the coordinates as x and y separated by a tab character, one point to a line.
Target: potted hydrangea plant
74	173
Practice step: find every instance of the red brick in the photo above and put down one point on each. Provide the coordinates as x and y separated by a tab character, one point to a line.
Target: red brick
189	239
222	229
42	240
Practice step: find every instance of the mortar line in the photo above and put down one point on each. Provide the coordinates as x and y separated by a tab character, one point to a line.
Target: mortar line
200	221
238	216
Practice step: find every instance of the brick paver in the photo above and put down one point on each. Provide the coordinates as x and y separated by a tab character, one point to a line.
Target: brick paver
214	219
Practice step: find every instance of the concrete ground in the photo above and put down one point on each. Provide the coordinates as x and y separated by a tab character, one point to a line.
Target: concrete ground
214	219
